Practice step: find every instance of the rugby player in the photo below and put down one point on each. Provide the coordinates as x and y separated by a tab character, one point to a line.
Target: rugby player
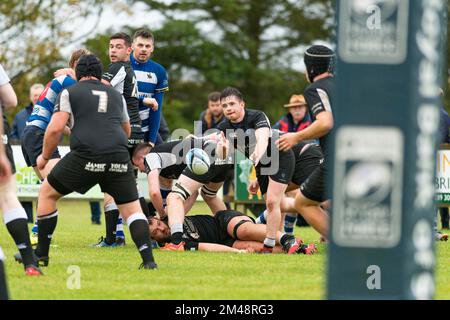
226	231
33	134
152	83
167	160
100	126
121	76
249	132
319	61
14	215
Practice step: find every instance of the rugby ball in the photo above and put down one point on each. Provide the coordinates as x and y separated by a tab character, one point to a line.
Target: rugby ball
197	161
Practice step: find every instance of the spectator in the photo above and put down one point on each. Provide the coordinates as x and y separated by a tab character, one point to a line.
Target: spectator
21	118
297	117
213	114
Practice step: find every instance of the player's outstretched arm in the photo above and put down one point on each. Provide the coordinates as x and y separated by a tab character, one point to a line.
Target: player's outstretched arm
214	247
262	141
155	192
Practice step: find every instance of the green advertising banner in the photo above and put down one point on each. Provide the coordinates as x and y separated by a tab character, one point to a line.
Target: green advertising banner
28	182
382	173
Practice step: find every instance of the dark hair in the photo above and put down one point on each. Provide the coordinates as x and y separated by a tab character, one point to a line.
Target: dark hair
318	60
214	96
144	33
89	65
122	35
139	148
230	91
150	219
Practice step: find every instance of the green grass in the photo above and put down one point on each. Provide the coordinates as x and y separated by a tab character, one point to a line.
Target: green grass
112	273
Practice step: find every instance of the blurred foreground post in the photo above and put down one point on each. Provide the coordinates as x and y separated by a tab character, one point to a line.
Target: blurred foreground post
389	69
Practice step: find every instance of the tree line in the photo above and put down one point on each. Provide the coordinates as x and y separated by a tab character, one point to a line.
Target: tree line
205	45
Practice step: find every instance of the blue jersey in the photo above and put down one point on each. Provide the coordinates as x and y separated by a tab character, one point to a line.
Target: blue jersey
44	107
152	82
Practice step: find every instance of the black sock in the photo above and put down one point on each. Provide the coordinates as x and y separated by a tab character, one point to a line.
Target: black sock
3	286
111	217
176	237
285	238
46	226
141	237
18	229
144	206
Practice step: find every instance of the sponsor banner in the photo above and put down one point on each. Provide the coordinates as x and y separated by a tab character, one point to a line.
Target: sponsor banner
28	183
442	180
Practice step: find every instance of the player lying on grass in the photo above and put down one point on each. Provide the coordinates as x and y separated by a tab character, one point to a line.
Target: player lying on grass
168	159
226	231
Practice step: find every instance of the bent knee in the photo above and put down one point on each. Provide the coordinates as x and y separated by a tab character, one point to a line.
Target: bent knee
301	201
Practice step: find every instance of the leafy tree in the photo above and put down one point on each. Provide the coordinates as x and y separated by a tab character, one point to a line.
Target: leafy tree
252	46
34	33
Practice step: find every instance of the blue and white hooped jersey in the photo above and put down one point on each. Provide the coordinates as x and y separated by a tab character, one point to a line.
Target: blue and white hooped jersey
43	109
151	79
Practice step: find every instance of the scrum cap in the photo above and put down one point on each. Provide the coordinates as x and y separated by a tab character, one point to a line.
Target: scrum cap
89	65
318	59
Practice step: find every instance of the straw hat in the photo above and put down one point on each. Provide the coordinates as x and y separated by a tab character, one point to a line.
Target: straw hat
296	100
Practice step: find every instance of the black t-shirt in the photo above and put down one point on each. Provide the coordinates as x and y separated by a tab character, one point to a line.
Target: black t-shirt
97	113
6	128
121	76
319	96
169	157
253	120
201	228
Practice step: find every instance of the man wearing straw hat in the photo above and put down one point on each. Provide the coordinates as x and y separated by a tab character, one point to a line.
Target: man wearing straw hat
297	117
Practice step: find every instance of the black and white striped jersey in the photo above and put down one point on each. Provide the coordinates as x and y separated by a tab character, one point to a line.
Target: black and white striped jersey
320	97
121	76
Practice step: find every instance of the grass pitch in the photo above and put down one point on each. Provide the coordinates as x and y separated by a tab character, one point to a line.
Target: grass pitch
112	273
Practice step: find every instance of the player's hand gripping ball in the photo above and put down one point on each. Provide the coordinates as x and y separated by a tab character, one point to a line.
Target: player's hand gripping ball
197	161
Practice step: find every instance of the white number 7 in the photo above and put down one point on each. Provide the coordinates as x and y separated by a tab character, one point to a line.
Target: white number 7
102	100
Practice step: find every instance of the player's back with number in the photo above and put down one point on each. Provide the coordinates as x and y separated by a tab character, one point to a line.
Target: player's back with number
99	111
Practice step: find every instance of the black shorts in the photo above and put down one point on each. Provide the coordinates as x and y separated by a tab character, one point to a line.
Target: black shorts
9	153
77	173
215	174
314	186
136	138
222	219
306	162
284	168
32	143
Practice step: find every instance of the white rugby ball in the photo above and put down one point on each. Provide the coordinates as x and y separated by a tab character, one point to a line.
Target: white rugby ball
197	161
